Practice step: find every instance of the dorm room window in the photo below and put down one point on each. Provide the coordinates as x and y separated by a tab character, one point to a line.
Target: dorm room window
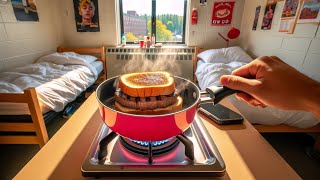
166	19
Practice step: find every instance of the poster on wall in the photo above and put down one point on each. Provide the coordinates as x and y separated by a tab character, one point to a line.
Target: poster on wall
288	15
273	1
25	10
286	25
256	18
222	13
86	15
268	16
290	8
310	12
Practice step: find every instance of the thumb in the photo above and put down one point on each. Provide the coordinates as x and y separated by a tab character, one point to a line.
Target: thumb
238	83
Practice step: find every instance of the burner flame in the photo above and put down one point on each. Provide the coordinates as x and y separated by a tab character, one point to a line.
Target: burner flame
154	144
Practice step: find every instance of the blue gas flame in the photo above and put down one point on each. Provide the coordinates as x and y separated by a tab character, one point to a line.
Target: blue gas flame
154	144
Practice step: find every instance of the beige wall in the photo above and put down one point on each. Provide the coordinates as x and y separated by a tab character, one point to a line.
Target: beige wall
202	34
23	42
108	28
301	49
206	36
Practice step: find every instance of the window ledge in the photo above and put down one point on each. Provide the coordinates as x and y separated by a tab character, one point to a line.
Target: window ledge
163	46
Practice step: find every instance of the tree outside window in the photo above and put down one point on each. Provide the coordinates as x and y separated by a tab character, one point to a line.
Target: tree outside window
164	18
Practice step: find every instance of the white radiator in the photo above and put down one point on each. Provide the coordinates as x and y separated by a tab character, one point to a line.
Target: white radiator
178	61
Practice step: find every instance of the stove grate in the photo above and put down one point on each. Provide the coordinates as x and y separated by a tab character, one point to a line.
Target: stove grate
142	148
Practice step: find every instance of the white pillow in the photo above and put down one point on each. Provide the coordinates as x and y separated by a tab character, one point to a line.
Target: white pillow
225	55
213	56
237	54
87	58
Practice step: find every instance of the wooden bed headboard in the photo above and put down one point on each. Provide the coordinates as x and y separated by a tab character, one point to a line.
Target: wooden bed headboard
195	61
99	52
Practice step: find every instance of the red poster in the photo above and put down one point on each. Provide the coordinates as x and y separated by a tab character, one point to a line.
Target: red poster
222	13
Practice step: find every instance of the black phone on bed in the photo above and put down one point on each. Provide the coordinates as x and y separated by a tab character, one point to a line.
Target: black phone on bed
220	114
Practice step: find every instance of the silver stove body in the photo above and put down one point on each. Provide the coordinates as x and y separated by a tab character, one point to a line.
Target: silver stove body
122	162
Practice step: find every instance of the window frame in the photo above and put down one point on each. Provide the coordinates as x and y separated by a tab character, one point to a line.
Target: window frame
153	20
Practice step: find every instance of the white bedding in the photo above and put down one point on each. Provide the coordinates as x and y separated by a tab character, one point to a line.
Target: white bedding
217	62
98	66
208	74
59	78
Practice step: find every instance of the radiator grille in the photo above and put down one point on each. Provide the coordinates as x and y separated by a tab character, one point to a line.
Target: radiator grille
117	57
153	57
149	50
151	54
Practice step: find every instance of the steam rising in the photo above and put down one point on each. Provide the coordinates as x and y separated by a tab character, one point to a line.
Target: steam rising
153	62
116	83
164	61
181	86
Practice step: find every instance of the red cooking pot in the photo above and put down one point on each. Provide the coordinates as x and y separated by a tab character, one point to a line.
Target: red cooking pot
156	127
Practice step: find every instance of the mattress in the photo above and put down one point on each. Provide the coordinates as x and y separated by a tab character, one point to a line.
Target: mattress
98	66
22	109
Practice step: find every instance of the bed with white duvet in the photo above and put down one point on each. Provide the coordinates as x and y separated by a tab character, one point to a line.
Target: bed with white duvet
58	79
214	63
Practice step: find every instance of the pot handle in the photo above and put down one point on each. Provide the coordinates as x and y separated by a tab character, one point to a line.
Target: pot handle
217	93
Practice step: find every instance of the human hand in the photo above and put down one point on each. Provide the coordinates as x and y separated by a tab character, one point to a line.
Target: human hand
268	81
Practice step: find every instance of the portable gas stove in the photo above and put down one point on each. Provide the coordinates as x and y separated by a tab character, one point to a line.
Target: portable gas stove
192	153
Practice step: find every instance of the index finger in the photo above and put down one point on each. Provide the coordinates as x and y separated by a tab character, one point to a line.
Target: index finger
249	70
242	71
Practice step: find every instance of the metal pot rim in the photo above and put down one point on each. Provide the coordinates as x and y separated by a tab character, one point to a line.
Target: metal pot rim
151	116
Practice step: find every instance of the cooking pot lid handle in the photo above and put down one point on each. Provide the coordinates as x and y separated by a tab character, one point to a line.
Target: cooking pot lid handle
217	93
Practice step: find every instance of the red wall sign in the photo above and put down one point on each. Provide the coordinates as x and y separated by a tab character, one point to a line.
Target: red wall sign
222	13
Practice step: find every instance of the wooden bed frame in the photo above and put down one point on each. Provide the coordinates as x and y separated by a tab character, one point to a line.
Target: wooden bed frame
260	128
29	97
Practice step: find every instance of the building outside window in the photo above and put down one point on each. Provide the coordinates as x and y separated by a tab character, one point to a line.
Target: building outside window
165	19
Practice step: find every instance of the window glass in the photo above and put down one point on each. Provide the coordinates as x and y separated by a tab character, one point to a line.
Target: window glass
163	18
136	14
169	23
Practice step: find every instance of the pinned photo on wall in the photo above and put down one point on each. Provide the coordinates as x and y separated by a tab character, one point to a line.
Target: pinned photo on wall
288	16
222	13
256	18
203	2
86	15
310	12
268	16
25	10
290	8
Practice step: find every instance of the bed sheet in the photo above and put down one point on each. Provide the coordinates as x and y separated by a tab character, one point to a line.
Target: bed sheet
98	66
58	78
208	73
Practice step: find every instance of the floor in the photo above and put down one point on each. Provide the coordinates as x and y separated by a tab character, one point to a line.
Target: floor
291	146
14	157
